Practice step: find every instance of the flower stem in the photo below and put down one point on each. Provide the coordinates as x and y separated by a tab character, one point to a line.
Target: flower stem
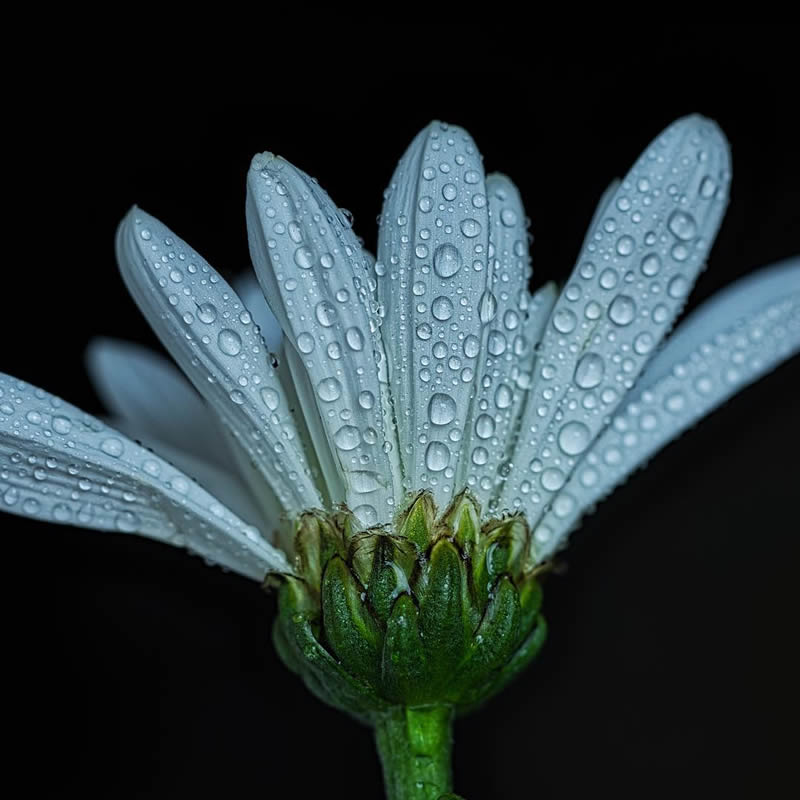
415	747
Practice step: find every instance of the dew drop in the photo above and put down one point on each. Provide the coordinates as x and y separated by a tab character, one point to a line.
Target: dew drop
470	228
207	313
329	389
442	308
573	438
271	398
682	225
484	426
446	260
229	342
354	339
589	371
305	343
112	447
347	437
437	456
552	479
441	409
622	310
325	313
564	320
651	264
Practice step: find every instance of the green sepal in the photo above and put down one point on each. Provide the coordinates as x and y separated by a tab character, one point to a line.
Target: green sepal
404	666
497	635
417	523
295	637
500	551
462	518
388	579
444	618
316	542
349	629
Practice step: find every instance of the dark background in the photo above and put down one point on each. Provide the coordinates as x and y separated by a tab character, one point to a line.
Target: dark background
136	671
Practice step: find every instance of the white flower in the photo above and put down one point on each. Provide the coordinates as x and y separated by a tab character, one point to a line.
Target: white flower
432	368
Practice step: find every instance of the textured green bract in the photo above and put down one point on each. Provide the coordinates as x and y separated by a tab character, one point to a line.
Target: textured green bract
430	612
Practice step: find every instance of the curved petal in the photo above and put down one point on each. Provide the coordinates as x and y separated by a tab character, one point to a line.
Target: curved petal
729	342
152	398
316	280
432	273
61	465
207	330
630	282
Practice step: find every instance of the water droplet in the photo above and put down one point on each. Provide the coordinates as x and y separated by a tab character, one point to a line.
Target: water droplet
424	331
471	346
643	343
207	313
470	227
480	455
678	287
487	307
564	320
437	456
503	396
304	257
325	313
305	343
589	371
573	438
229	342
484	426
674	402
622	310
442	308
112	447
329	389
608	279
271	398
508	217
449	191
707	187
354	339
441	409
366	514
347	437
682	225
552	479
366	399
62	425
651	264
127	522
446	260
625	245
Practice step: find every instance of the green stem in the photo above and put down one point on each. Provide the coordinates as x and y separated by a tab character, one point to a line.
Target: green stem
415	746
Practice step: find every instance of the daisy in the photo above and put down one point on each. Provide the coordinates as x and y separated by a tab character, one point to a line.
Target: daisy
401	443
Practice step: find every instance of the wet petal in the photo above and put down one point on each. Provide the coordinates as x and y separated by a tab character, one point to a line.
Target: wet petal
61	465
316	280
432	273
630	282
726	344
506	349
207	330
154	400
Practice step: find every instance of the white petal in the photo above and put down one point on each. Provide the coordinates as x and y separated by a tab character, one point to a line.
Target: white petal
506	349
61	465
315	277
205	327
225	484
630	282
249	289
154	399
729	342
432	282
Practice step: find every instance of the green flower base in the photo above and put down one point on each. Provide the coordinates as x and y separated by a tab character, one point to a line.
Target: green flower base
406	627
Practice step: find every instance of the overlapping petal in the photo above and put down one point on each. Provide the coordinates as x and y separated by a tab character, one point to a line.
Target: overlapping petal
62	465
630	282
433	284
315	277
726	344
208	331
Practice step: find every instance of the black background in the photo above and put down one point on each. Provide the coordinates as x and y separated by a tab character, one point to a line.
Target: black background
671	668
